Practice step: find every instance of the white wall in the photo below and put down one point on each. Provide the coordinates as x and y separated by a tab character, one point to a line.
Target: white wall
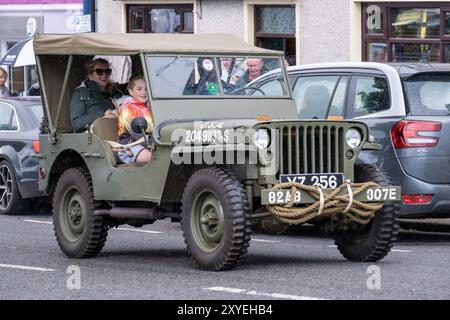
324	31
111	16
221	17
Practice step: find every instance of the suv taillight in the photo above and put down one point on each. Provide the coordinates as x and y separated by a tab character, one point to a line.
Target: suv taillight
413	134
36	146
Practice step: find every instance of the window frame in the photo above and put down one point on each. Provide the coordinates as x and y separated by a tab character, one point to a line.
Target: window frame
386	36
147	8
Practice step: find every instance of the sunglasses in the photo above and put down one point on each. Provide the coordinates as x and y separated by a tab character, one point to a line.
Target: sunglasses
100	72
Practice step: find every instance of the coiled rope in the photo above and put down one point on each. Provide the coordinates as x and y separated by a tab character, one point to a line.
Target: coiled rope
329	204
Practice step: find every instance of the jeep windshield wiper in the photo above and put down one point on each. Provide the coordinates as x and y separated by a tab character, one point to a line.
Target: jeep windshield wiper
163	68
237	66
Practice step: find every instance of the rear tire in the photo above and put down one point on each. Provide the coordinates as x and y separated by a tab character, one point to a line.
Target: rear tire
371	242
215	219
80	234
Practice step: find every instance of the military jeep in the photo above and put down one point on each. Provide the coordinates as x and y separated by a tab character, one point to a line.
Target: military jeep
226	158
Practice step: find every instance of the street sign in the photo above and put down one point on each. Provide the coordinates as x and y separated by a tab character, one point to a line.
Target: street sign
82	23
31	27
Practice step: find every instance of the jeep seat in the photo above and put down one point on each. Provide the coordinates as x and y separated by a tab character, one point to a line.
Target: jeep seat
106	130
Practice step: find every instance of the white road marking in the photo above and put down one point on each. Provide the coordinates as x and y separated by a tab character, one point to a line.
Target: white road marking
25	268
37	221
393	250
403	251
255	293
137	230
120	229
263	240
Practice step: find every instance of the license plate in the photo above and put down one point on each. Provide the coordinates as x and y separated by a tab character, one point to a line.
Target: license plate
324	180
283	196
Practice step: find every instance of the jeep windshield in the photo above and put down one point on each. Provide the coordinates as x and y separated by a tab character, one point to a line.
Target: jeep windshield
217	77
429	94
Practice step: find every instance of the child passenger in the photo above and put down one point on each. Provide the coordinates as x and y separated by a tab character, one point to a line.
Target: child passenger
133	107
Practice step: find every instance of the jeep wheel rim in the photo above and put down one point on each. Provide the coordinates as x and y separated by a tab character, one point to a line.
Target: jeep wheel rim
207	221
72	214
6	187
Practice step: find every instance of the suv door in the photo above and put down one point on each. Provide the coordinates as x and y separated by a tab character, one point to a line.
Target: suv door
369	94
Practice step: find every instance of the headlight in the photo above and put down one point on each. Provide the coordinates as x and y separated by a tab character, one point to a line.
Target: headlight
261	138
353	138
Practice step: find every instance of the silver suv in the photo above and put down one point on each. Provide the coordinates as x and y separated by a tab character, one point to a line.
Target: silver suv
407	109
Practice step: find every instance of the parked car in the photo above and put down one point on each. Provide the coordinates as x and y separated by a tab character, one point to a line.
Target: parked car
19	141
407	109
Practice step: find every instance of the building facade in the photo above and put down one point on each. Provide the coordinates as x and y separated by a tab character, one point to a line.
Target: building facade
308	31
46	16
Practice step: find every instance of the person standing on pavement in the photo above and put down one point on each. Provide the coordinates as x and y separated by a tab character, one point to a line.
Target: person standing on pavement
4	91
92	99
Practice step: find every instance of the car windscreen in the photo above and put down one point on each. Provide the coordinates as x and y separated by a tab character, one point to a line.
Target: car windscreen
428	94
37	112
219	77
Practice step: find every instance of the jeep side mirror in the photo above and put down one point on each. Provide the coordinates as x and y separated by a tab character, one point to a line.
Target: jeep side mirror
139	125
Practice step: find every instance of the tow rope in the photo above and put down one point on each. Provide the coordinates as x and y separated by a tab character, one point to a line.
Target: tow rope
329	204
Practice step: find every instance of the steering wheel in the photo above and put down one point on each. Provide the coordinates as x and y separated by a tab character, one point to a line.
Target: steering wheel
246	88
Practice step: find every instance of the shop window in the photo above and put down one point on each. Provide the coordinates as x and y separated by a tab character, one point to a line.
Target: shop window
416	52
415	23
173	18
377	52
406	31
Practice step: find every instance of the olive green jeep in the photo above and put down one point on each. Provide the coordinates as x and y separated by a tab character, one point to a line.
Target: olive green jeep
227	157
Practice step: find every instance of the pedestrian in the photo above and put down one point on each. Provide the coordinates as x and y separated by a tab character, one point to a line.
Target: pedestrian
4	91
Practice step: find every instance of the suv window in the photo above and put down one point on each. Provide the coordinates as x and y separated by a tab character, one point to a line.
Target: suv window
8	119
338	104
429	94
370	95
312	95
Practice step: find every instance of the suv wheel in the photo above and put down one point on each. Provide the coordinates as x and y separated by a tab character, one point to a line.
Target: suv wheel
80	234
10	200
215	219
373	241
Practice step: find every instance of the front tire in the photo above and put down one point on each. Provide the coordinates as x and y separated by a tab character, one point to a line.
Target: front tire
371	242
80	234
215	219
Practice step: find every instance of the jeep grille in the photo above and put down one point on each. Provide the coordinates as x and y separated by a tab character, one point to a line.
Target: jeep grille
311	148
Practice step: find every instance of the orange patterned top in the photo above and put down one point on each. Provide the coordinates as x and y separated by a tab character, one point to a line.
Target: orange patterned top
131	109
